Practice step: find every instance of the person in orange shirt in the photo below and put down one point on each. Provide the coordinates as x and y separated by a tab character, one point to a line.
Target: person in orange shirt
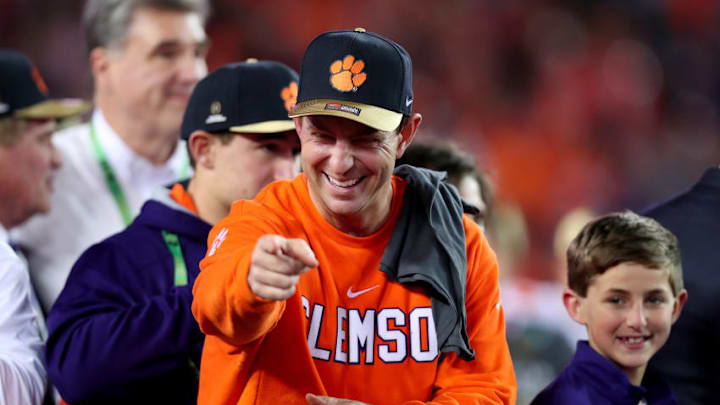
122	331
352	283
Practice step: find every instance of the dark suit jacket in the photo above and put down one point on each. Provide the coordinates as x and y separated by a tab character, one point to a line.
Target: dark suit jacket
690	360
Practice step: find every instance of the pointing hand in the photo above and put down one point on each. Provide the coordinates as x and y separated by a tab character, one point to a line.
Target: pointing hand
276	265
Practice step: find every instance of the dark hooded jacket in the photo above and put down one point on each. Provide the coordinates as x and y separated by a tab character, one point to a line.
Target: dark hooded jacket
122	330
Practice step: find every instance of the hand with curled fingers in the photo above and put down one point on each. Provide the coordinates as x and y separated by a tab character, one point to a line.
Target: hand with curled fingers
276	265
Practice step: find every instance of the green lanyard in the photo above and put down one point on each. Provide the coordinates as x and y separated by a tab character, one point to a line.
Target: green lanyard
180	277
112	181
173	244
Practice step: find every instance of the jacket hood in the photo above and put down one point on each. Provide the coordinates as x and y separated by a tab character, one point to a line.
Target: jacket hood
177	219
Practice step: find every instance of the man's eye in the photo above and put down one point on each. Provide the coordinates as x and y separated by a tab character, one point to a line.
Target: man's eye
167	54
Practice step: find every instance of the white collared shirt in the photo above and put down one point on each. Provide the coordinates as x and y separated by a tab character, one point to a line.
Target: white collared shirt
138	174
83	210
22	374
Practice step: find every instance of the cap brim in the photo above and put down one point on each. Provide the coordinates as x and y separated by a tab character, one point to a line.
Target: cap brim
58	108
372	116
266	127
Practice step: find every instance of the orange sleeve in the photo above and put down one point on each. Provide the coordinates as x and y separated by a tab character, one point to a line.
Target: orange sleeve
223	303
490	378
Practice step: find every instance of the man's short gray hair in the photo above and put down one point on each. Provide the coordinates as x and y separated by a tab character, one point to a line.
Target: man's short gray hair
106	22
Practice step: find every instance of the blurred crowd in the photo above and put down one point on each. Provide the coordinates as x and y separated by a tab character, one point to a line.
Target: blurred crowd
602	104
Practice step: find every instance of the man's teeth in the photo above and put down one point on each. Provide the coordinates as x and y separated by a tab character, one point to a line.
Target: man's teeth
348	183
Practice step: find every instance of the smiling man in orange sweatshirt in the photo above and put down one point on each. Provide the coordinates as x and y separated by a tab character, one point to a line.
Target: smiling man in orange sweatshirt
352	284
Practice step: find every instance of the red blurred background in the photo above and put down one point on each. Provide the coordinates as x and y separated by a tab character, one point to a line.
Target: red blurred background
603	104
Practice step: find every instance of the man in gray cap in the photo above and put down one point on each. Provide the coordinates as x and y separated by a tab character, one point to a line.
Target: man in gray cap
27	163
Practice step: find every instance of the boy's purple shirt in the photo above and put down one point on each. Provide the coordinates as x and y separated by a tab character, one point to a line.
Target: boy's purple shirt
592	379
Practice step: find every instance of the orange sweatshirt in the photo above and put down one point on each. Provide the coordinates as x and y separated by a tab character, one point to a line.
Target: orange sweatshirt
348	331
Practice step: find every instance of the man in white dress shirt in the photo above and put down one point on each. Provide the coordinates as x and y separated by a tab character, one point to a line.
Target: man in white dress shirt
145	56
27	163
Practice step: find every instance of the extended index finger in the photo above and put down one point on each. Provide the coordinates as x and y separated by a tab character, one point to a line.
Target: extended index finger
301	251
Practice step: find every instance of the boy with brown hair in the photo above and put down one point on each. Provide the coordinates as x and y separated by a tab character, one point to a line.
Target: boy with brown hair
625	286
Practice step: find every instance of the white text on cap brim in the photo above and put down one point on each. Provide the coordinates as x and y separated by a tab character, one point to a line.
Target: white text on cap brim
372	116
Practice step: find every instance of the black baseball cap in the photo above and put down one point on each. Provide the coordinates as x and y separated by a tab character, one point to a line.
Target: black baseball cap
250	97
23	92
357	75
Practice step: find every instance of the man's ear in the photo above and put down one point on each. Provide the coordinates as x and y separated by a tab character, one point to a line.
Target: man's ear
679	304
99	61
574	304
408	133
201	148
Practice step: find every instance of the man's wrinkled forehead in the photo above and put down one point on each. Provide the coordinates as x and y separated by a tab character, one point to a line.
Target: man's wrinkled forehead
161	28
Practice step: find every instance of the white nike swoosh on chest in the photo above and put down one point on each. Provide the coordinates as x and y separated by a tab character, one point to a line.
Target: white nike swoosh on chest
353	294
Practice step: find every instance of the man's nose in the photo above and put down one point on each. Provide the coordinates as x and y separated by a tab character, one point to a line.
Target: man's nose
341	157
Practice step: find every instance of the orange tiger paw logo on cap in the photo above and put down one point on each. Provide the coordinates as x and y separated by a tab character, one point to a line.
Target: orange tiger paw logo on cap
347	75
289	95
39	82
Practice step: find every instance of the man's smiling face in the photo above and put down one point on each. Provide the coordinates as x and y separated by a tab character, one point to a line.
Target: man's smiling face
348	166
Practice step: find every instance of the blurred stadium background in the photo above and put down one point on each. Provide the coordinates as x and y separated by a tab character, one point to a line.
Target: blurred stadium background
602	104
